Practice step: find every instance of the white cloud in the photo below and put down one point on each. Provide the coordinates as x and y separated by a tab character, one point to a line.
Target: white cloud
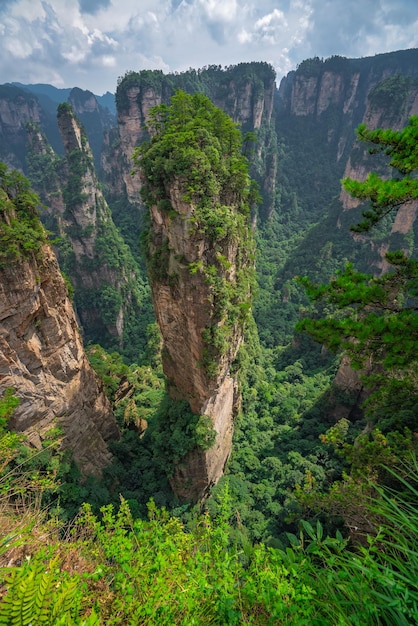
18	49
57	41
270	27
108	61
244	37
219	10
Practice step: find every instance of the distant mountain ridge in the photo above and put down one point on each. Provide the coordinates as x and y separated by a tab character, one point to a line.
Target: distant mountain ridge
58	95
20	104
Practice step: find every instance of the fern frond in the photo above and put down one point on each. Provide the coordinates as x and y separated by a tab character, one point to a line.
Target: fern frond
33	597
63	600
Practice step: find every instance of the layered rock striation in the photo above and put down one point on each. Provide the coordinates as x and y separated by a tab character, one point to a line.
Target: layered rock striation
245	92
16	108
42	356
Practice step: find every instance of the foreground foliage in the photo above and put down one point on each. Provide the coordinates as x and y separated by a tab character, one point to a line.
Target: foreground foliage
110	568
117	570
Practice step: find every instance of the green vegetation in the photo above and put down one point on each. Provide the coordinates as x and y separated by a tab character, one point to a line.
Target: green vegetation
390	94
374	320
214	81
315	520
85	223
113	568
21	232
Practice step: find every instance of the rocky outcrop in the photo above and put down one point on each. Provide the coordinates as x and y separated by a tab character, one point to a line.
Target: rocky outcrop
42	358
95	119
131	126
347	393
342	83
184	307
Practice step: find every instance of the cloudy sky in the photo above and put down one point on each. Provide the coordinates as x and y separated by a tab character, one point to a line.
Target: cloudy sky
89	43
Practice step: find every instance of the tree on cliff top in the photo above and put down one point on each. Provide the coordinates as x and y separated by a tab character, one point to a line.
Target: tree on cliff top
375	318
195	142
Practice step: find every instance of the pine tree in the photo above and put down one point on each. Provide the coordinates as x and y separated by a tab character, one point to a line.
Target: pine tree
374	319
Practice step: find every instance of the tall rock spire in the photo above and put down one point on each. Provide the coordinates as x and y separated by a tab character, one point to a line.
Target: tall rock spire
201	267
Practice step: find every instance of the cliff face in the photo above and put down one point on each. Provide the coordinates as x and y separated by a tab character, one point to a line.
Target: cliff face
184	302
335	93
319	106
317	85
42	358
95	119
389	105
185	309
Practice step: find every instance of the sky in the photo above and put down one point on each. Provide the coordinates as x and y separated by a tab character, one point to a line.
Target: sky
90	43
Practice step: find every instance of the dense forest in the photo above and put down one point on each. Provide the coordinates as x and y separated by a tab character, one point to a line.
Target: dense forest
314	519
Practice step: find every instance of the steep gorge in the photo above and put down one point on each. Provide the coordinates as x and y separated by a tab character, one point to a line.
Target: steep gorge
306	142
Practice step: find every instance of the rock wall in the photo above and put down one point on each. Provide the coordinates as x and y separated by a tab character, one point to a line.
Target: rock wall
331	98
95	119
245	92
393	111
200	260
42	358
184	307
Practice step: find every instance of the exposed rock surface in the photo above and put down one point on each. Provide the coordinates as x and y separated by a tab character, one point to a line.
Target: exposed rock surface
247	98
184	309
344	83
348	382
393	111
95	119
339	94
42	358
16	108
